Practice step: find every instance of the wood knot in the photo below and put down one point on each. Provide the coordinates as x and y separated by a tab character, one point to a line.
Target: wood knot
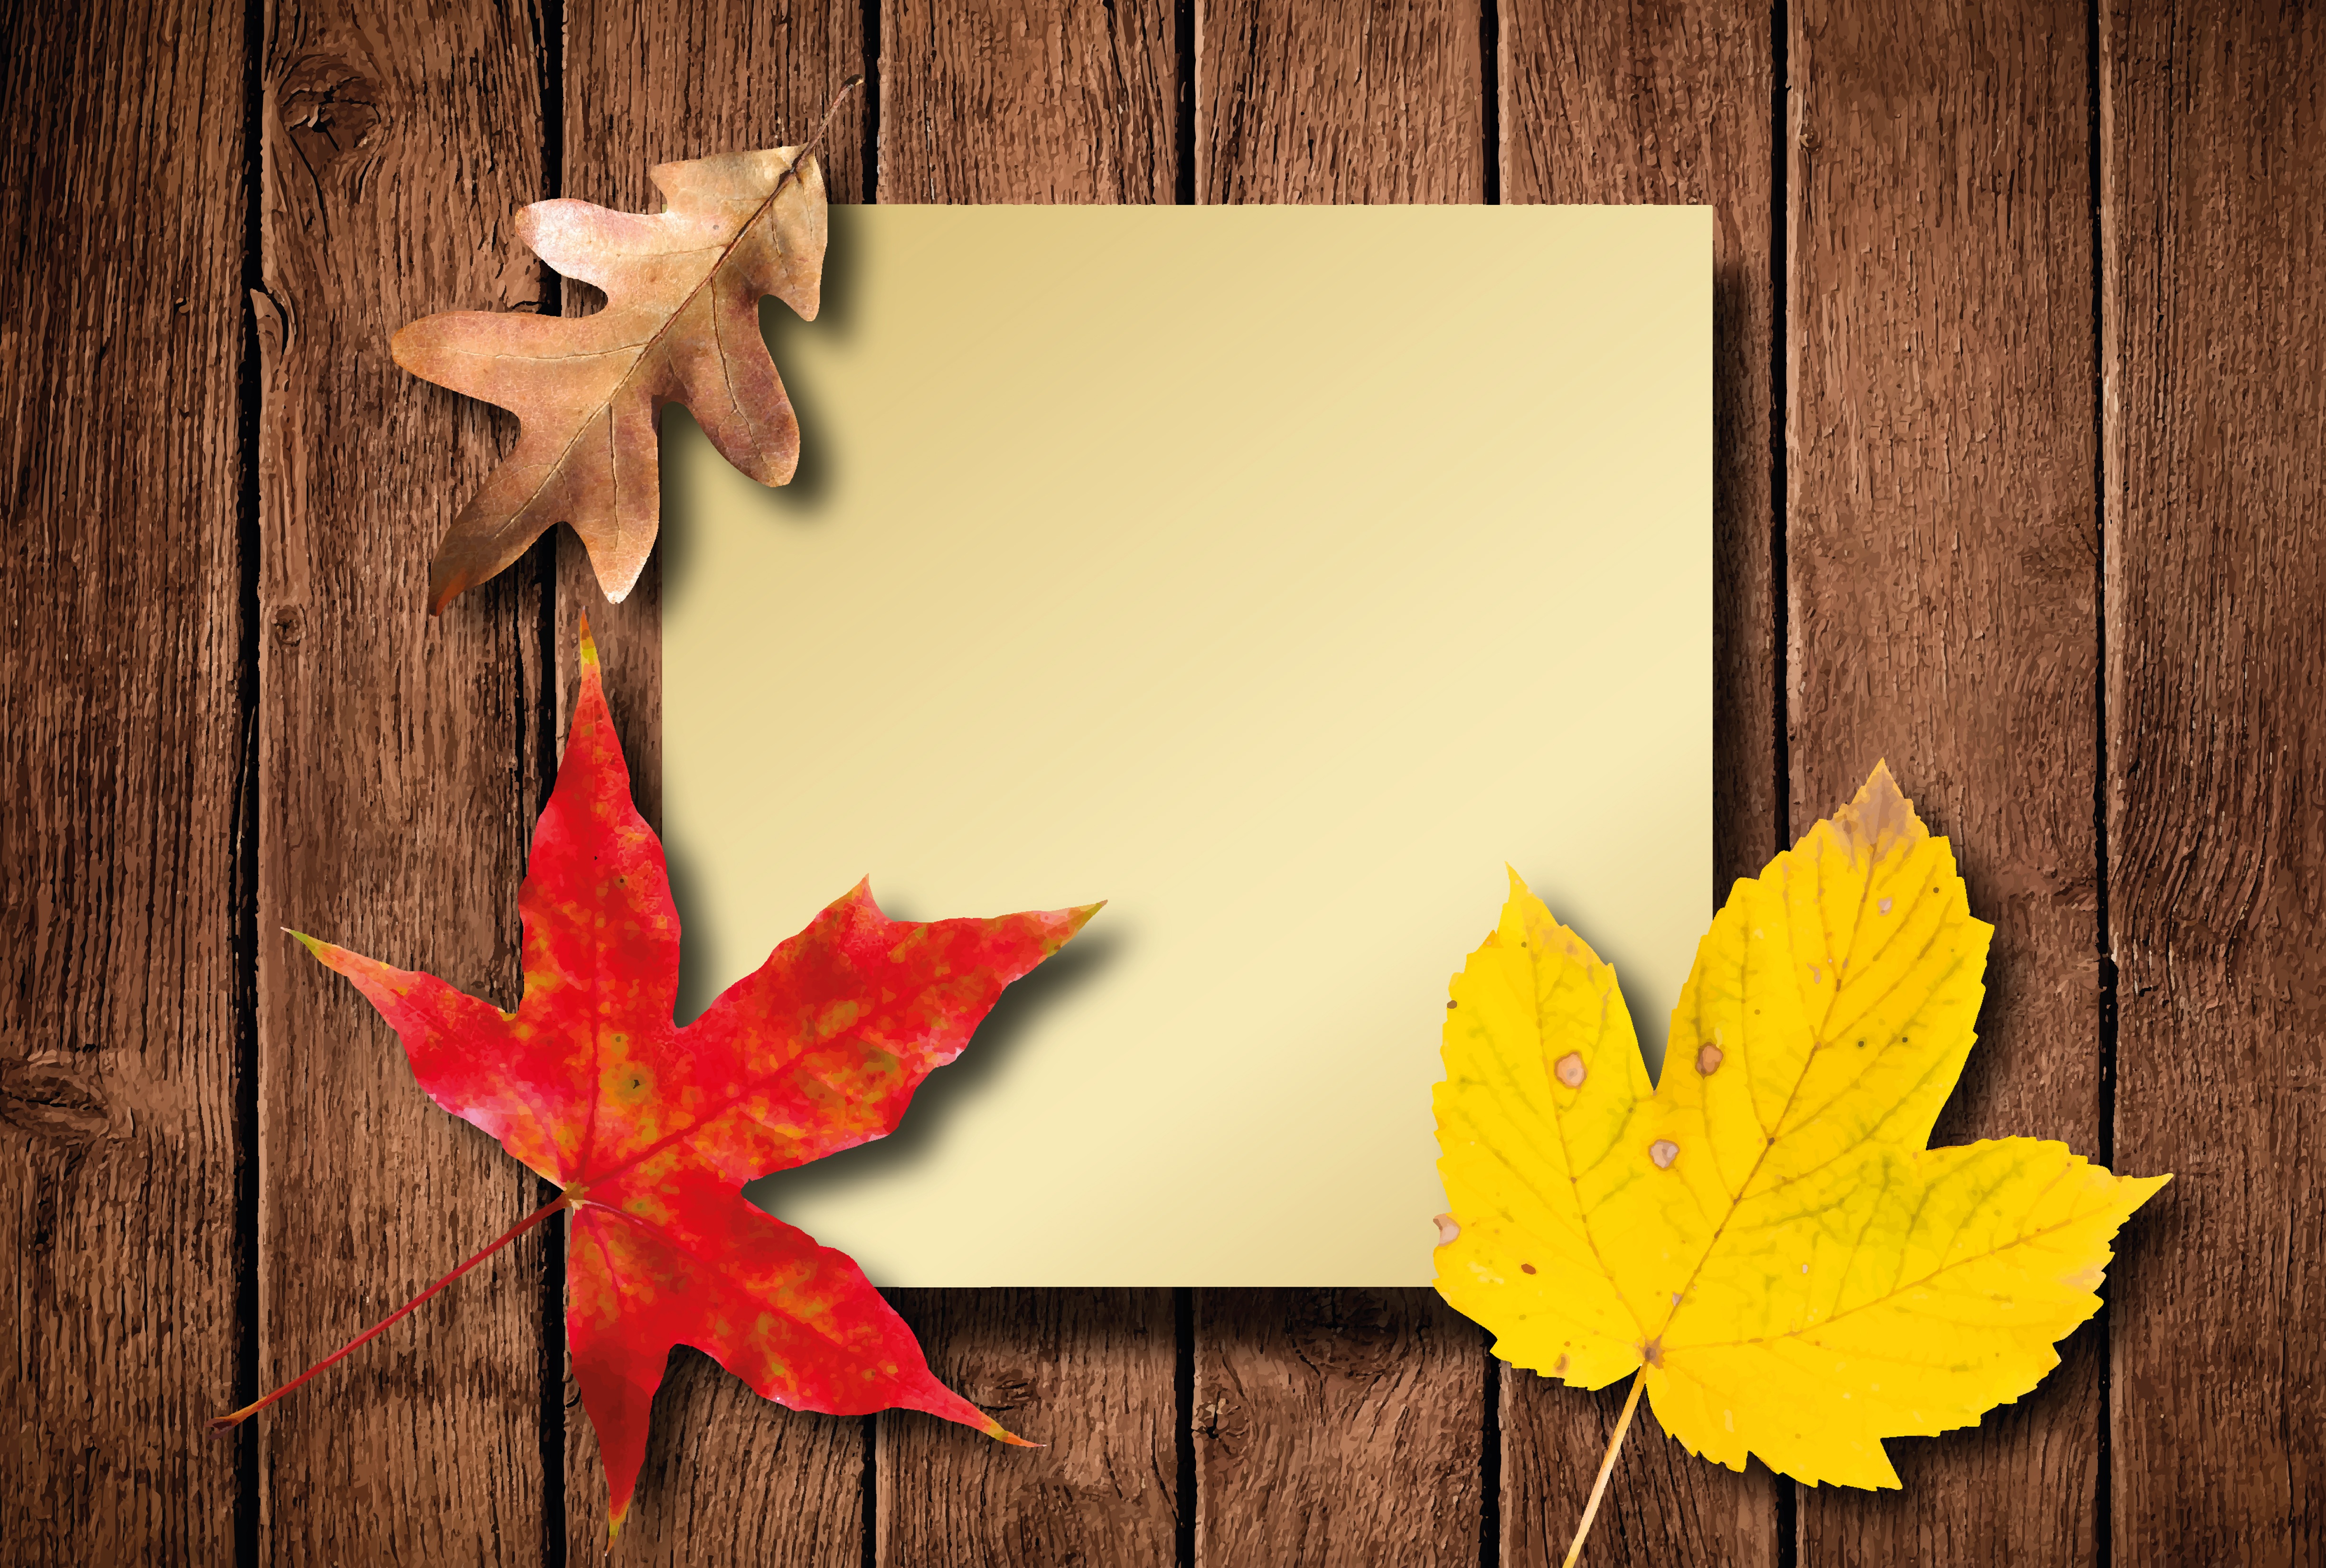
53	1103
328	110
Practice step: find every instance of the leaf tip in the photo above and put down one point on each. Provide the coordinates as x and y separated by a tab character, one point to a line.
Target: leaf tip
1000	1434
1879	816
589	642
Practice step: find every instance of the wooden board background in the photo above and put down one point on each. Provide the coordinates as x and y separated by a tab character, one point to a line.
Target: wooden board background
2020	425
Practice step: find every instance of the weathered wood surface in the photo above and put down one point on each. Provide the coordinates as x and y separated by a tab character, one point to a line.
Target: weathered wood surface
230	714
1027	101
1942	564
1336	1426
1667	103
399	762
2214	175
1087	1373
124	746
1307	100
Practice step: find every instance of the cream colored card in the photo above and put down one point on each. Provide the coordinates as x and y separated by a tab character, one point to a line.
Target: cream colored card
1276	574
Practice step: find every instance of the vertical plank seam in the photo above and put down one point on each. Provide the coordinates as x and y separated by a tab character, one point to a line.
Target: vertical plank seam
1779	413
1183	1373
870	1523
871	69
1490	1468
550	51
1490	104
2104	1487
1183	129
243	891
1780	508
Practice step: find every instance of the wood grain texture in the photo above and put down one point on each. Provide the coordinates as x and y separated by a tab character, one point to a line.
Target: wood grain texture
1088	1374
1663	1504
1666	104
1374	101
1336	1426
2214	120
123	747
1027	101
1942	566
396	776
729	1477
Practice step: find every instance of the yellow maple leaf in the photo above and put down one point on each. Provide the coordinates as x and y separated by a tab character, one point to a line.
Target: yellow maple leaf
1762	1235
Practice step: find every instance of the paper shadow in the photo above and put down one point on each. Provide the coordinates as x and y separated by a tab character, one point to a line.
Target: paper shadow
996	1040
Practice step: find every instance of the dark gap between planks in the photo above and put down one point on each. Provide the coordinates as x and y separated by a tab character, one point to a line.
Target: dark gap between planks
244	889
1788	1497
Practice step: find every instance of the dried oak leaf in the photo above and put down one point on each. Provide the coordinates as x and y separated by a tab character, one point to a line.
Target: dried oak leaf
651	1130
680	324
1762	1236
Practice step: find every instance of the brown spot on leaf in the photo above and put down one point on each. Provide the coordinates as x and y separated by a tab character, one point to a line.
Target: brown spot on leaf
1570	1070
1526	1268
1448	1230
1708	1059
1663	1151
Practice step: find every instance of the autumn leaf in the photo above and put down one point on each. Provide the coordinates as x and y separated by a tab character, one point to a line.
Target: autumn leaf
680	324
1764	1237
651	1130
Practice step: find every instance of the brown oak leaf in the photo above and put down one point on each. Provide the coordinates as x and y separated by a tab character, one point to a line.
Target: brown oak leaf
680	324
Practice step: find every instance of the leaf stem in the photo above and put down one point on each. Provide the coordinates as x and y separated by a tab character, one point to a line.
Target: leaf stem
1606	1466
235	1418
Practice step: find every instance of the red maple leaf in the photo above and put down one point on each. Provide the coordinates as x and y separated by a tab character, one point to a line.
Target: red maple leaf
651	1130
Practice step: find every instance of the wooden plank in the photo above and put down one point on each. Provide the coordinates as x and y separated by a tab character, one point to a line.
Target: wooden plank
398	774
1941	565
123	199
1087	1373
1666	104
1298	1391
1028	100
1313	102
1001	101
728	1477
1336	1426
2213	124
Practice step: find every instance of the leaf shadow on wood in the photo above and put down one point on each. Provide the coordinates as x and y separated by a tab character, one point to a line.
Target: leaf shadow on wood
1020	1006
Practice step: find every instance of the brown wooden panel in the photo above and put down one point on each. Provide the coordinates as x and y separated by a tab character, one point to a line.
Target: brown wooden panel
1666	104
729	1477
123	205
1087	1373
1027	101
1336	1426
397	771
2214	138
1374	101
1942	572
